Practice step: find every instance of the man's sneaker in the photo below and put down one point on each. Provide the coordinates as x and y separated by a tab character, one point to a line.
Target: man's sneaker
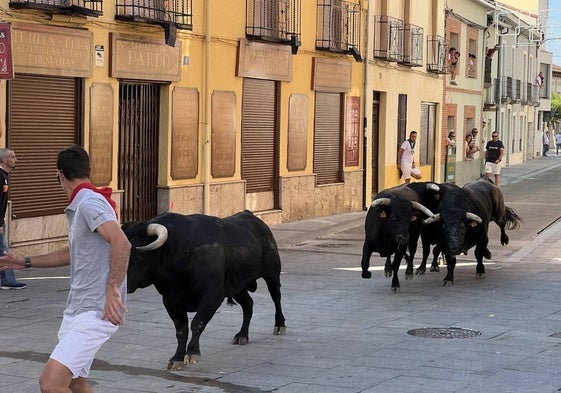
17	285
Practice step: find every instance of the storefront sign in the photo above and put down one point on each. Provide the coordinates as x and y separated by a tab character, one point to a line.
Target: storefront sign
185	133
6	61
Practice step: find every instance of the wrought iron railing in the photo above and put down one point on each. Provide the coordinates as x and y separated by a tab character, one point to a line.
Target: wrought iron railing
274	20
436	54
178	13
338	26
73	7
412	45
388	38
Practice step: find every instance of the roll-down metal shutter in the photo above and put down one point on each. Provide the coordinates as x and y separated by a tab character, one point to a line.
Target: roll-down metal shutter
328	138
44	116
259	155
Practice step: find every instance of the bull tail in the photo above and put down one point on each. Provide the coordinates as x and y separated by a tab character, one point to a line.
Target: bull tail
513	220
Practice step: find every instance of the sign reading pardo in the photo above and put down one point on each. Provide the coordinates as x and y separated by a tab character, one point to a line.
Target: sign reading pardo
6	59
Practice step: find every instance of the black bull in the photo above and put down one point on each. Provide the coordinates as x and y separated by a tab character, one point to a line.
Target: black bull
392	226
196	261
464	214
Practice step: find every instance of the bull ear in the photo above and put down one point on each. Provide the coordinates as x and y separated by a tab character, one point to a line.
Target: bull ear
155	230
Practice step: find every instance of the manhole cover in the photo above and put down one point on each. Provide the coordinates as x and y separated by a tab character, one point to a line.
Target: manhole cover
451	332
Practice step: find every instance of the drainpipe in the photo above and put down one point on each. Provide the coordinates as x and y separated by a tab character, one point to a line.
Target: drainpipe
207	114
367	97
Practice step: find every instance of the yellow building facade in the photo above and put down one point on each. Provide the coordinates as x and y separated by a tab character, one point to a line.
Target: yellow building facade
195	108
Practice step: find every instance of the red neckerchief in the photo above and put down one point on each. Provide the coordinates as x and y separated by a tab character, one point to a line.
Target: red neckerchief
104	191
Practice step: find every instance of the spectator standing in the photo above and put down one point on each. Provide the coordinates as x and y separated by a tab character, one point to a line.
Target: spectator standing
494	151
470	147
545	143
558	142
8	162
451	141
406	158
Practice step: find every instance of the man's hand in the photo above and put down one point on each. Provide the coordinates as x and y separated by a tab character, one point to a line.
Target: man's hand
10	261
115	309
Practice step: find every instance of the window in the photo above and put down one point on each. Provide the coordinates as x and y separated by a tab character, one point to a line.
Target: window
274	20
338	27
472	59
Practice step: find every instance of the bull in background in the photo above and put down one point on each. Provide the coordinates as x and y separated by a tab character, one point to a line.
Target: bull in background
392	227
465	213
196	261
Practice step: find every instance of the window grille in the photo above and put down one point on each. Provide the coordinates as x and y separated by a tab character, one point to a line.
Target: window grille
274	20
338	27
160	12
436	54
73	7
412	46
388	38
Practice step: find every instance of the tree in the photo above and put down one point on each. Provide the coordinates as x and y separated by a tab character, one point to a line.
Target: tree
555	109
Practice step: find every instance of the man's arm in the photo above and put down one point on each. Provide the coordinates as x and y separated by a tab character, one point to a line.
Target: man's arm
399	154
501	153
53	259
118	265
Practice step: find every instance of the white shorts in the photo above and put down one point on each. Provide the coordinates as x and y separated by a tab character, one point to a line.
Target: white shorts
408	171
79	339
492	168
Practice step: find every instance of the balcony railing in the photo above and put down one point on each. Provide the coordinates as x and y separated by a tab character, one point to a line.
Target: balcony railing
388	38
338	26
518	90
436	54
412	46
491	95
72	7
159	12
274	20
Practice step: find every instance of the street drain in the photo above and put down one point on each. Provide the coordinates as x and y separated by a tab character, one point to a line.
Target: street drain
451	332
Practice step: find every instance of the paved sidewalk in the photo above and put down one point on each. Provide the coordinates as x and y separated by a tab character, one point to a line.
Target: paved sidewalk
345	334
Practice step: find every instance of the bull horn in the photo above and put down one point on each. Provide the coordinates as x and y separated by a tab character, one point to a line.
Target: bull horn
432	219
424	209
380	201
433	187
157	230
474	217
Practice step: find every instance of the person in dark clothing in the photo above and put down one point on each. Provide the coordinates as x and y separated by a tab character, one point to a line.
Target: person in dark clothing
494	151
8	162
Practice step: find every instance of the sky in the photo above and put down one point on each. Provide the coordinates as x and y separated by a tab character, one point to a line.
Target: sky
553	38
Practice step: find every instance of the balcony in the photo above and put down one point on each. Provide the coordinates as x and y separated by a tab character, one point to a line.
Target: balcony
388	38
517	90
92	8
171	14
274	20
412	46
436	54
491	97
338	27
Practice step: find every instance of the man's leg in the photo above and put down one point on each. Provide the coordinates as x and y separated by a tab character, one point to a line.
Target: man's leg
496	180
55	377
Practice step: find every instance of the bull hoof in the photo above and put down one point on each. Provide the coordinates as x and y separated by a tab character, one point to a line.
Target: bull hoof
191	359
480	275
279	330
409	277
175	366
396	289
239	340
435	269
366	274
388	273
447	283
420	271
